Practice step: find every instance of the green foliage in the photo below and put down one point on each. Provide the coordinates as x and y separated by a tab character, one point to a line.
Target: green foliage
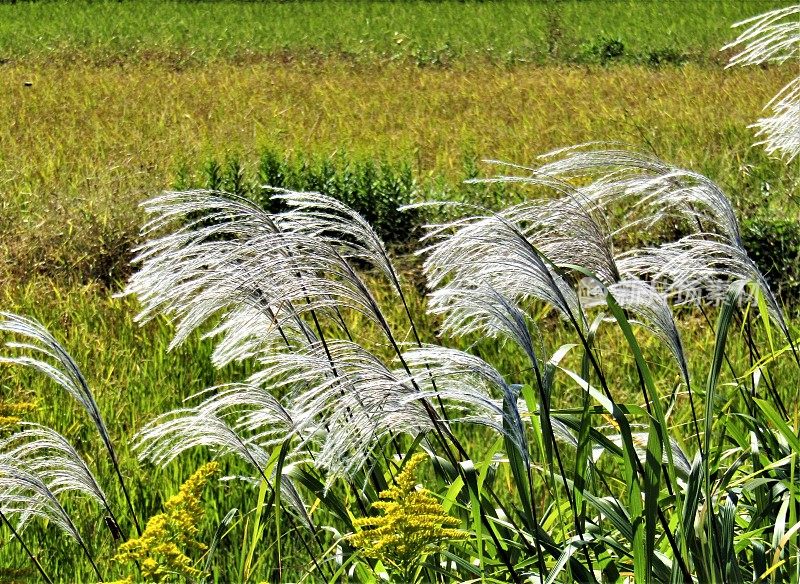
424	33
666	56
126	362
774	244
624	472
13	412
84	144
603	50
374	190
377	191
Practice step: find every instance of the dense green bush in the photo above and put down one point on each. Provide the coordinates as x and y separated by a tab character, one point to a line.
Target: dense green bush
774	244
603	49
374	190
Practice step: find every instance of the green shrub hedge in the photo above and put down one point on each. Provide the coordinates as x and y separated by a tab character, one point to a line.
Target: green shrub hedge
774	245
375	190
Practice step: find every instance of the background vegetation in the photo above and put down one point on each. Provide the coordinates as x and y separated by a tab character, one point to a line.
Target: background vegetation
423	33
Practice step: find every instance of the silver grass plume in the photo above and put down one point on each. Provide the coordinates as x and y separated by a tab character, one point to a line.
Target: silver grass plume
340	401
471	389
219	422
217	255
224	253
46	355
49	456
37	465
342	415
486	311
25	495
50	358
326	219
567	233
647	190
238	419
711	257
244	332
699	264
774	37
642	188
651	310
565	230
478	259
214	258
781	130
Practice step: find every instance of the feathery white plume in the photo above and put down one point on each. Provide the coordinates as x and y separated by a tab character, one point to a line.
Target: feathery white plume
48	455
781	130
49	357
490	255
225	254
343	401
774	37
326	219
651	310
641	189
472	391
696	266
25	495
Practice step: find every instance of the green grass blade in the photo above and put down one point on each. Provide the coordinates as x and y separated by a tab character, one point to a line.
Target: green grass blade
724	322
221	531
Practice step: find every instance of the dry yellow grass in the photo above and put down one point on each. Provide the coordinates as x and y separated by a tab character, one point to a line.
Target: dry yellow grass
81	145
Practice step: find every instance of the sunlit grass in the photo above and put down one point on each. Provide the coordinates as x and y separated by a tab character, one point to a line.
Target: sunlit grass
425	33
105	104
83	145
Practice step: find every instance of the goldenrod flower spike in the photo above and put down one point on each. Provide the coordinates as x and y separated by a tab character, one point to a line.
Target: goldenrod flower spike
161	549
413	524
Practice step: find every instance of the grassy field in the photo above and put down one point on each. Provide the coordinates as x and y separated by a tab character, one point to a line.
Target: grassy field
105	104
82	145
424	33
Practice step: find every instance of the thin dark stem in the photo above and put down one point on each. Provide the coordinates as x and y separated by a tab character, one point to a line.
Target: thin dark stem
94	413
755	354
399	288
261	472
321	335
82	543
28	552
124	490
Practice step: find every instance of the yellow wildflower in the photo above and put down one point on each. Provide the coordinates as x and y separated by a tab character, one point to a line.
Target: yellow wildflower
160	549
413	524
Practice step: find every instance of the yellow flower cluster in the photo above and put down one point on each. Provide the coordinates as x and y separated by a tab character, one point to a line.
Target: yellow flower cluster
160	549
413	523
11	413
